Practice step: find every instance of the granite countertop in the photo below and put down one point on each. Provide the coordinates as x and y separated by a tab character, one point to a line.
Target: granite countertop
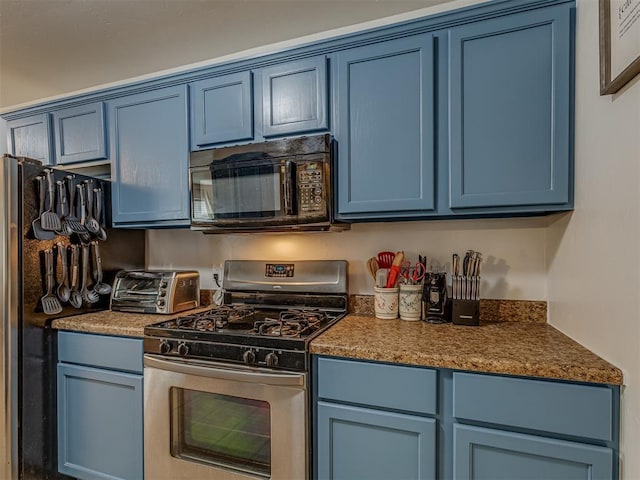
514	348
123	324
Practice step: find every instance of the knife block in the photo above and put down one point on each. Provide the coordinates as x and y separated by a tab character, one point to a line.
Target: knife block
466	312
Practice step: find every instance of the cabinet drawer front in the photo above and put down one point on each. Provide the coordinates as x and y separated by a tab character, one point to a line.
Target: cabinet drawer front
379	385
563	408
117	353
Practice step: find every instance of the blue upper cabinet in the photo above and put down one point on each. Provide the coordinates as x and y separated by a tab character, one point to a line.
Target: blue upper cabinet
150	155
80	133
31	137
385	129
294	97
510	137
221	110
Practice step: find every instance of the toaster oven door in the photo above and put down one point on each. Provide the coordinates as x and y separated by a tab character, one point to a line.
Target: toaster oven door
136	292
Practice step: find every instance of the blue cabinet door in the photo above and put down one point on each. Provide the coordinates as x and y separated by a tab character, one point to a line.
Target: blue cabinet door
79	133
510	111
99	423
31	137
385	129
221	110
487	454
361	444
294	97
150	158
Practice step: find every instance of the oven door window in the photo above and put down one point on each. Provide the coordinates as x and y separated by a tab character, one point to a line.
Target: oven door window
222	430
247	191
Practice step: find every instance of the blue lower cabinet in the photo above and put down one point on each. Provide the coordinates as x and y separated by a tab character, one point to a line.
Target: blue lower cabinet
360	443
376	420
488	454
100	409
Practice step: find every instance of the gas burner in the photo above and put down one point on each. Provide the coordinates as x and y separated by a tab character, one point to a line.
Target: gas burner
310	316
225	316
292	323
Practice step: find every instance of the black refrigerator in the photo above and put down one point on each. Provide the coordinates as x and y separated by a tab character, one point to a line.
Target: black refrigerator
29	344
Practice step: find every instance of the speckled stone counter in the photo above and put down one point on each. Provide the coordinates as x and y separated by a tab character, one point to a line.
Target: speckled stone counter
114	323
514	348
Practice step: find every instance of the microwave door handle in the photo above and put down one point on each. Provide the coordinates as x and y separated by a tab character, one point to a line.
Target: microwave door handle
289	175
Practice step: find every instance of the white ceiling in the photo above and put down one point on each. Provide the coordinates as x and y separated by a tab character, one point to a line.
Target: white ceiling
51	47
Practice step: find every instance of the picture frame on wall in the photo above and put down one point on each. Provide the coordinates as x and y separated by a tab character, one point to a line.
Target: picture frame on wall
619	43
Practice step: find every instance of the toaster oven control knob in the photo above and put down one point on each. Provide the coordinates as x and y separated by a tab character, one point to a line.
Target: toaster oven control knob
163	293
183	349
271	360
165	347
249	357
163	284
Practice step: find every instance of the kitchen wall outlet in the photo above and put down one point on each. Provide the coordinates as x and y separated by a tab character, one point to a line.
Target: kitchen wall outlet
216	274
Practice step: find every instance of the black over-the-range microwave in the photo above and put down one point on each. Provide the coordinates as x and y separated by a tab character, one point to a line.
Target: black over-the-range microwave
282	185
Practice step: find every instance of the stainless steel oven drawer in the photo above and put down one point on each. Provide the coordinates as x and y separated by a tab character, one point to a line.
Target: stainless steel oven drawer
411	389
103	351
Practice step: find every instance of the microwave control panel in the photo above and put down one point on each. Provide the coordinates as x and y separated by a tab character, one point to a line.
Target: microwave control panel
311	194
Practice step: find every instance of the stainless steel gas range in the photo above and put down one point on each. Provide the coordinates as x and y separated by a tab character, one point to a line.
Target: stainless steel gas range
226	390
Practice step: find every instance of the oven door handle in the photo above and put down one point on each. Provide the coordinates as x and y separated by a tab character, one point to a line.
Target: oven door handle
224	373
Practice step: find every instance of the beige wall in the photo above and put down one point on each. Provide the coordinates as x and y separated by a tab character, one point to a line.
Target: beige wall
593	278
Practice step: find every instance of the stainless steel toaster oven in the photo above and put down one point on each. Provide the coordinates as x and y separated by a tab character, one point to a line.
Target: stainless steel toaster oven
155	291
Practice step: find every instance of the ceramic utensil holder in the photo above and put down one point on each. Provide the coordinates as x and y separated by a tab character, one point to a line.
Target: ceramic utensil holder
410	302
466	312
386	303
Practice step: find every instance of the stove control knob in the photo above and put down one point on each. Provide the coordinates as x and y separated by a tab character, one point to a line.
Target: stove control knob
249	357
183	349
271	360
165	347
